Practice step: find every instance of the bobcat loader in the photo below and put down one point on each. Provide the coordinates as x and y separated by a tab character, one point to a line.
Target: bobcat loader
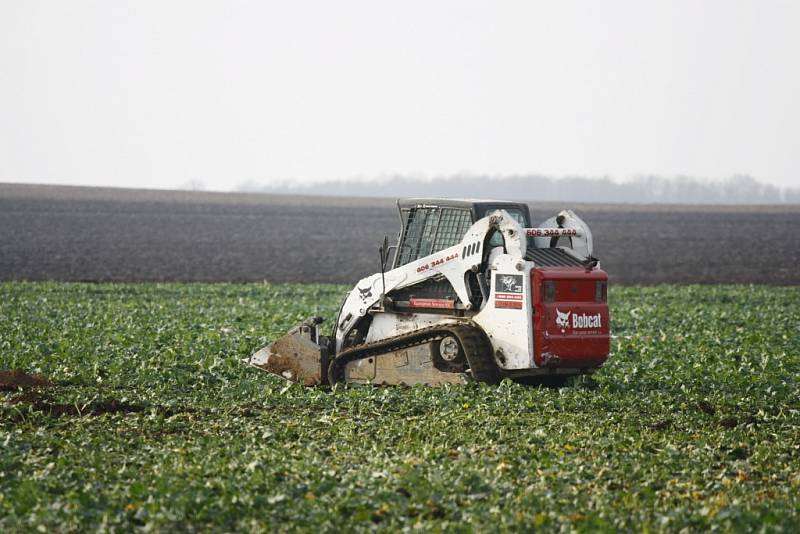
474	293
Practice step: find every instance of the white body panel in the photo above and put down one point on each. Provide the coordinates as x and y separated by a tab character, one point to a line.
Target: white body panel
393	324
448	263
506	320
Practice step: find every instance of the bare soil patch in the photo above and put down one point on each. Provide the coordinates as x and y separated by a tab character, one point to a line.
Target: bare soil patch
15	380
44	403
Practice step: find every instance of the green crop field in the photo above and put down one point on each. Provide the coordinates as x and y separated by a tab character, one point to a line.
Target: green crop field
149	421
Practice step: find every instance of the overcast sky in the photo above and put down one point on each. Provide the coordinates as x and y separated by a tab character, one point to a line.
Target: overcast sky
159	94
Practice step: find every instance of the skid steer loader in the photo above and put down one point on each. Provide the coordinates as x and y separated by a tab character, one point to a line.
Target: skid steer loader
474	293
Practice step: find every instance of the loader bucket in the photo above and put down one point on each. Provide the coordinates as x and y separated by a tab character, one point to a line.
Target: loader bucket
297	356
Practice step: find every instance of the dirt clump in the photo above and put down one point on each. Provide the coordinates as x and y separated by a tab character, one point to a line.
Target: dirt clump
18	379
114	406
45	404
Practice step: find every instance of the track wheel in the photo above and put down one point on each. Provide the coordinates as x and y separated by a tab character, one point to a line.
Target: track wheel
448	354
450	349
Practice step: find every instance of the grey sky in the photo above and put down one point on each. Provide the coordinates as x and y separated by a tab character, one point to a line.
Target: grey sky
156	94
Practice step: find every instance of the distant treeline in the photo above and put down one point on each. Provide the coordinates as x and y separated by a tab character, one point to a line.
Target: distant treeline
644	189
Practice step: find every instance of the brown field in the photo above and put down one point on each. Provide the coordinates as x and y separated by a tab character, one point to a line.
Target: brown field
102	234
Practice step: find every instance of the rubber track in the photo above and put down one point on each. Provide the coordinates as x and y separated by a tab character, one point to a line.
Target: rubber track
476	347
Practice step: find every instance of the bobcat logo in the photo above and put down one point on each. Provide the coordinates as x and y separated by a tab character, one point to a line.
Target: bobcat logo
509	283
365	293
563	318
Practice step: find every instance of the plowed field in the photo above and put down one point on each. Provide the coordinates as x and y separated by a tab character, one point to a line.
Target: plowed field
89	234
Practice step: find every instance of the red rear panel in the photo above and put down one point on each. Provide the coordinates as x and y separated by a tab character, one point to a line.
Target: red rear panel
570	317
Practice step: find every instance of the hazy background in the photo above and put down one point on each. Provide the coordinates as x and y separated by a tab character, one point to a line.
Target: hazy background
275	95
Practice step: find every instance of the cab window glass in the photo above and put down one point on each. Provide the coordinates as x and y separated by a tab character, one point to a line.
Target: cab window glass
431	229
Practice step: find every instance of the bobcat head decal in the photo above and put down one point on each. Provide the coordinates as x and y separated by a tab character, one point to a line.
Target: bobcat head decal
365	293
563	318
509	283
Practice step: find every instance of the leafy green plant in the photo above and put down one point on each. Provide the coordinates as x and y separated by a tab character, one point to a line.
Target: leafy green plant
151	421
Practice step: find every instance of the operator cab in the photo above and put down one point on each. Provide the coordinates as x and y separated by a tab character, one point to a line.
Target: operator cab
433	224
